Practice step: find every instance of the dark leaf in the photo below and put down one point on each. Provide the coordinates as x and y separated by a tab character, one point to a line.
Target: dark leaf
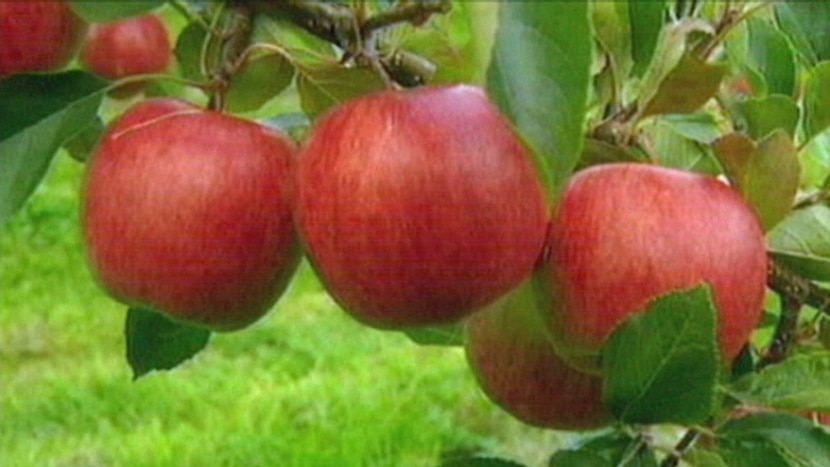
817	101
770	54
807	23
801	382
613	449
762	116
154	342
774	439
685	88
646	20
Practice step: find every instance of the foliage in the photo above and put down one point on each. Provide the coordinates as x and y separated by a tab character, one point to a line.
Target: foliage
734	89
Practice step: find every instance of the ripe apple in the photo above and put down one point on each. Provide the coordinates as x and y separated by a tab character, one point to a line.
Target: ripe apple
513	358
188	212
623	234
127	47
418	207
37	36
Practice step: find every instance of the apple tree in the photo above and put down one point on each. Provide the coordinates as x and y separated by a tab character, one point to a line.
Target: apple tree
619	209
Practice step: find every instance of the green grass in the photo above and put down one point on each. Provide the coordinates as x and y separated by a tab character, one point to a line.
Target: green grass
305	386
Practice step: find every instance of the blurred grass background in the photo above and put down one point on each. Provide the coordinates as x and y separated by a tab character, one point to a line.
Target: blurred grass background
305	386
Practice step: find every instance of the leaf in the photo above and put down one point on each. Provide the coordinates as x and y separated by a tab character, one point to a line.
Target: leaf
762	116
704	458
188	50
700	127
662	365
807	24
672	149
646	20
817	101
595	152
802	242
685	88
100	12
261	79
770	54
616	448
323	85
774	439
539	77
798	383
449	335
480	461
766	173
154	342
40	112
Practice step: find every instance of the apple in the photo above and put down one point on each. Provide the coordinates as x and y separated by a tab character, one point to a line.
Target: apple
623	234
418	207
37	36
188	212
128	47
512	357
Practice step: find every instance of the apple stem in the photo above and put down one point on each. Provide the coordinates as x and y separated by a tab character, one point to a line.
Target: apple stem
683	446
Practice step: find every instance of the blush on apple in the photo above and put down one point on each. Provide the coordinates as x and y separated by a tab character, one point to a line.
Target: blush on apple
623	234
188	212
418	207
37	36
513	358
127	47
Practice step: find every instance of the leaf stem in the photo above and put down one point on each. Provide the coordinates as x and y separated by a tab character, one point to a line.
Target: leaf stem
683	446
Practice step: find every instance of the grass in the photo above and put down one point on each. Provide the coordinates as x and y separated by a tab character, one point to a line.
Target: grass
305	386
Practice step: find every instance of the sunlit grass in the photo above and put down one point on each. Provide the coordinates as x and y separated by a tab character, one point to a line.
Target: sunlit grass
305	386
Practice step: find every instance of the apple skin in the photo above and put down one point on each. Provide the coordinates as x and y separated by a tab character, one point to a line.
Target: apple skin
418	207
623	234
37	36
188	212
127	47
512	356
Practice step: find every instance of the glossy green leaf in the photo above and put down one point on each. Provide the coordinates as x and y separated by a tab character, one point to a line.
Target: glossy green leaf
673	149
449	335
685	88
771	55
817	101
39	113
662	365
155	342
99	12
646	20
774	439
539	76
807	23
261	79
704	458
802	242
701	127
767	173
762	116
615	448
324	85
800	383
188	50
81	145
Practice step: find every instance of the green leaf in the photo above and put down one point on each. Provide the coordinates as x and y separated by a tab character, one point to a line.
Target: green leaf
672	149
770	54
480	461
646	20
154	342
802	242
539	77
80	146
798	383
817	101
704	458
700	127
807	23
685	88
613	449
774	439
762	116
766	173
100	12
262	78
449	335
322	85
662	365
188	50
39	113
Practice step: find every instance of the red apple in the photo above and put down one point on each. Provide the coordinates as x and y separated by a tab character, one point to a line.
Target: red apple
623	234
188	212
512	356
37	36
418	207
127	47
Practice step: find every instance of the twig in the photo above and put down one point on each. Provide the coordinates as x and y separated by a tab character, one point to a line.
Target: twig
784	332
683	446
786	282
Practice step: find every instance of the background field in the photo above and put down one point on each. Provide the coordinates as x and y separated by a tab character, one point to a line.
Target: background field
306	386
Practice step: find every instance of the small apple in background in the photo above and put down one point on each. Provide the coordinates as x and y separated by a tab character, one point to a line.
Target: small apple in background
512	356
187	211
623	234
37	36
418	207
127	47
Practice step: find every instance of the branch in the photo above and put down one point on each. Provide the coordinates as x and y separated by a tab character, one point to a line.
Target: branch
787	283
683	446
